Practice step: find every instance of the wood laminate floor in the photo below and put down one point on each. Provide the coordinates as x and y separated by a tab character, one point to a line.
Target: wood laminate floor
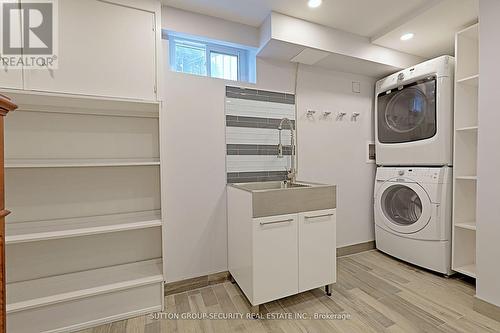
377	292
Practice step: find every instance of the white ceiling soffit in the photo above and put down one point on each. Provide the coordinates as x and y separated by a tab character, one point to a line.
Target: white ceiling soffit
284	51
310	56
434	27
288	38
361	17
347	64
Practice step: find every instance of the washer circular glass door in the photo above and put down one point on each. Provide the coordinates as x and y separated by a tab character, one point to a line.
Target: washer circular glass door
406	111
406	207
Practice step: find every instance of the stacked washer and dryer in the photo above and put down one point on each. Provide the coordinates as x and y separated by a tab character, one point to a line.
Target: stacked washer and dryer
414	153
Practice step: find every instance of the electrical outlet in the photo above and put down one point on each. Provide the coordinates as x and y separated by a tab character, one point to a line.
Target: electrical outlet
356	87
371	152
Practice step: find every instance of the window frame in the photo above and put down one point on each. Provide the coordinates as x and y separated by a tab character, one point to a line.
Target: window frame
241	54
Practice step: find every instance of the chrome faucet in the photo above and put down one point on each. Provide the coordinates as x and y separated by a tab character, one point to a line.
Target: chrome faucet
292	172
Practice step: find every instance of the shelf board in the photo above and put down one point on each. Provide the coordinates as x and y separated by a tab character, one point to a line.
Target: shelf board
469	128
63	288
469	270
34	101
22	232
466	177
470	32
472	80
77	163
466	225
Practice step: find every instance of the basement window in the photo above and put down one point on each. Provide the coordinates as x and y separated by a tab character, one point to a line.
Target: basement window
208	58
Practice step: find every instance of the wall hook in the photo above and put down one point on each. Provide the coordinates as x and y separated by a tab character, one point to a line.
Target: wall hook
310	113
341	115
326	114
355	116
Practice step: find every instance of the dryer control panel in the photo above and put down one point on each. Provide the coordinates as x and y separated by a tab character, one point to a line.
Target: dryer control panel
440	67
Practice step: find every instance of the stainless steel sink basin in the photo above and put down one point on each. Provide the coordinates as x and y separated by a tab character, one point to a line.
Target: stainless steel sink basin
279	198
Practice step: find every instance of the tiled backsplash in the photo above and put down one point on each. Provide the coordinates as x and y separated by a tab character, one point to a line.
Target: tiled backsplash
252	136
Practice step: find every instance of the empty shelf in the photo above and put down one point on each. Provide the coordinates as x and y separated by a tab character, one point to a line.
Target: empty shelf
77	163
32	101
466	225
467	177
21	232
471	32
469	270
470	128
470	80
62	288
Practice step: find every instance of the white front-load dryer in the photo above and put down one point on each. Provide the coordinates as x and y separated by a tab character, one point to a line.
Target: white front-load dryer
413	215
414	115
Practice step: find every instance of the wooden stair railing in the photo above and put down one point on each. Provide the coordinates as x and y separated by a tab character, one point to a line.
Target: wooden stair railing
6	106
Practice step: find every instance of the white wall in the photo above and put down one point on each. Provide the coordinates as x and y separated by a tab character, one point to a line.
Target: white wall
488	208
196	238
178	20
333	151
195	169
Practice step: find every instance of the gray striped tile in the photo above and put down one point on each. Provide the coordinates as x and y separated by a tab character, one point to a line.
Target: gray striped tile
260	95
242	149
255	122
249	177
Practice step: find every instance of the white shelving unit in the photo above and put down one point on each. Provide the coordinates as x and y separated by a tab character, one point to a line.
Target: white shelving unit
76	163
465	152
82	226
55	289
38	303
84	237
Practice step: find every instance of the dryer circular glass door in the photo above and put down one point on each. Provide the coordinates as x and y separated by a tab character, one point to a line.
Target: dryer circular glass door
406	110
407	114
406	207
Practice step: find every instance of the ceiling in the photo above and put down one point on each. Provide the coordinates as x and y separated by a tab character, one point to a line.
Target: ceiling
434	28
383	21
356	16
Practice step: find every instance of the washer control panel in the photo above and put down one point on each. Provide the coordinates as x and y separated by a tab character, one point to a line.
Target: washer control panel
424	175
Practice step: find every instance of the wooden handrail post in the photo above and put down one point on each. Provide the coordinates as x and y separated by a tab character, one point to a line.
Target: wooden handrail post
6	105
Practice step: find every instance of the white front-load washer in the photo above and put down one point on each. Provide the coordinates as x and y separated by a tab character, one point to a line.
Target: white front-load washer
413	215
414	115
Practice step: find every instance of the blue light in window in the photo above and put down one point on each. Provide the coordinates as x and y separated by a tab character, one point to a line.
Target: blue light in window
198	56
417	104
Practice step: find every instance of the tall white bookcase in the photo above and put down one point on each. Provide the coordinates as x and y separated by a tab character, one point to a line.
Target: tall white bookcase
84	240
465	152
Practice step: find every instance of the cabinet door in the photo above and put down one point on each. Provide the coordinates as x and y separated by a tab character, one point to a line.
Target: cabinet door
104	50
275	258
317	249
12	78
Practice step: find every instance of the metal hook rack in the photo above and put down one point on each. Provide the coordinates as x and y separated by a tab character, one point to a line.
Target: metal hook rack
341	115
310	113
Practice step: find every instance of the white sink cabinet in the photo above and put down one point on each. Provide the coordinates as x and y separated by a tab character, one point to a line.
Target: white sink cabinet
273	257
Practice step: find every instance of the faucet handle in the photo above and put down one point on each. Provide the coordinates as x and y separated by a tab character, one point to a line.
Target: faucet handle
290	175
